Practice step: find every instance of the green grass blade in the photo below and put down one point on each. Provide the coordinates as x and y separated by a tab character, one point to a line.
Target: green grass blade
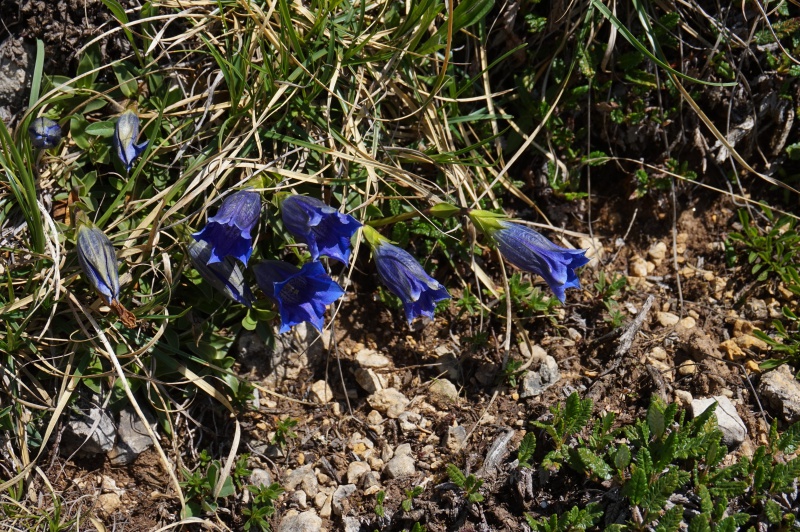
36	81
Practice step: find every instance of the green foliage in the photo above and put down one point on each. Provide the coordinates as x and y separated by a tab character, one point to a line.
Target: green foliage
408	502
528	300
262	506
573	520
526	449
380	497
470	484
284	432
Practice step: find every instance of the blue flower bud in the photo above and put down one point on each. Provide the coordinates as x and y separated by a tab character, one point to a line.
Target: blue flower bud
405	278
226	276
528	250
228	233
99	261
302	294
125	134
44	133
325	230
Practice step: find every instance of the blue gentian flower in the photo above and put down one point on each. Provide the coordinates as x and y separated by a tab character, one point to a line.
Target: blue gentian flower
405	278
301	293
99	261
325	230
529	251
226	276
125	134
45	133
228	233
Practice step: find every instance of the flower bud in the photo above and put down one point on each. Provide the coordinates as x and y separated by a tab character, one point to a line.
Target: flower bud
44	133
226	276
125	134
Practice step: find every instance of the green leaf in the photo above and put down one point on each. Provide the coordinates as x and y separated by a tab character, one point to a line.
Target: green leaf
773	512
636	488
101	129
622	458
594	463
126	78
526	449
790	439
671	520
457	477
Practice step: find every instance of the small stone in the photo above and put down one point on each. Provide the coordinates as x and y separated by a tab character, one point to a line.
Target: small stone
637	267
400	466
730	424
351	524
305	478
404	449
684	398
339	500
108	504
356	470
687	368
456	437
657	252
688	322
368	358
658	353
370	381
260	477
443	393
594	248
389	401
132	437
667	319
741	327
782	392
368	480
319	499
732	349
663	368
299	498
374	417
756	309
409	421
88	435
748	341
326	510
294	521
321	392
536	382
752	366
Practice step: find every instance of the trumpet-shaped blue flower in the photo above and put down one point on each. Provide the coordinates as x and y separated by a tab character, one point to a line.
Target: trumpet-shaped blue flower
99	261
228	233
125	134
405	278
528	250
301	293
45	133
325	230
225	276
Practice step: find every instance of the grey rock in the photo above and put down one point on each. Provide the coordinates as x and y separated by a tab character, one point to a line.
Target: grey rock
260	478
536	382
456	436
730	424
368	480
339	501
369	359
16	69
299	498
389	401
756	309
321	392
90	434
443	393
356	470
305	478
782	392
404	449
295	521
370	381
351	524
132	437
401	465
292	354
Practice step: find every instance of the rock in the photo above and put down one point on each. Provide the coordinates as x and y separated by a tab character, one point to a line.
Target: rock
687	368
732	349
443	393
389	401
782	392
756	309
370	381
684	398
667	319
339	500
369	480
657	252
351	524
108	503
260	477
303	477
408	421
741	327
730	424
367	358
748	341
536	382
299	498
404	449
594	249
637	267
321	392
16	69
374	417
294	521
293	353
658	353
456	436
132	437
91	434
326	509
400	466
688	322
356	470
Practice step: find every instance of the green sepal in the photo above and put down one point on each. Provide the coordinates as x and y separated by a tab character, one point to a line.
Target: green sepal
444	210
487	222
